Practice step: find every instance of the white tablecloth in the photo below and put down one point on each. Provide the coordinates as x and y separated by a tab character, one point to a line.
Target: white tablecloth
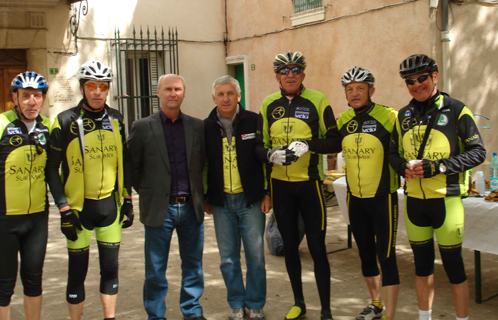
481	219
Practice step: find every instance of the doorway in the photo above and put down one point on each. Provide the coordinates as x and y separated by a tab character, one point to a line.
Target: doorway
12	62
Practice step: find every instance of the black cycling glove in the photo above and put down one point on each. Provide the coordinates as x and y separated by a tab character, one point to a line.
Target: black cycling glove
431	168
69	223
127	210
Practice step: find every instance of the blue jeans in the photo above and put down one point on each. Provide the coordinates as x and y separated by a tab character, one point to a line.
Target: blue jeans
233	222
157	243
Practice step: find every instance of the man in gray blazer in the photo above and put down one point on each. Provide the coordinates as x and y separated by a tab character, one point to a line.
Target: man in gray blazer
167	151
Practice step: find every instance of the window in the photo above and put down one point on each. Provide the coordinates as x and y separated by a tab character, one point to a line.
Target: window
303	5
140	62
307	11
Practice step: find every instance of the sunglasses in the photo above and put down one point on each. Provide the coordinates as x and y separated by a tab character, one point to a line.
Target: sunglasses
39	141
93	87
295	70
421	78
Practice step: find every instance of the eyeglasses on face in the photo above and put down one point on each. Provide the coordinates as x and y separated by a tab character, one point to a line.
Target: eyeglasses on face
93	87
421	78
295	70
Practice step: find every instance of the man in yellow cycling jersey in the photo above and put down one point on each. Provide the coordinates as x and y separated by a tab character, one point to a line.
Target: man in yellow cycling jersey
295	125
89	140
435	143
365	131
24	135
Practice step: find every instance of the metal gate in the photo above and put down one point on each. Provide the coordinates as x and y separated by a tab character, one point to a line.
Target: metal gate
140	62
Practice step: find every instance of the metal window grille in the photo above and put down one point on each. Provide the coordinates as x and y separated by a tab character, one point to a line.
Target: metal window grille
303	5
140	61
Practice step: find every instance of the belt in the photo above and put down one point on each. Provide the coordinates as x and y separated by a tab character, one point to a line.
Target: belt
179	199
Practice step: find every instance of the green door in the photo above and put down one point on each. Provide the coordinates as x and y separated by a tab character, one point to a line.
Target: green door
239	75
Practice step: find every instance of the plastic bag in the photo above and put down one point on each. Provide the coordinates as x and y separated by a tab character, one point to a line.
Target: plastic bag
273	237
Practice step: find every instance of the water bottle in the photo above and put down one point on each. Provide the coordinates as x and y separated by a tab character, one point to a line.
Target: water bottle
480	184
493	173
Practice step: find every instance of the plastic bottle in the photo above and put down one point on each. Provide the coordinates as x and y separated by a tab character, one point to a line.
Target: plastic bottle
493	173
480	184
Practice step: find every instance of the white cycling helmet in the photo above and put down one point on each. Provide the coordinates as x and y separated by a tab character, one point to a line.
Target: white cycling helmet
95	70
358	74
29	80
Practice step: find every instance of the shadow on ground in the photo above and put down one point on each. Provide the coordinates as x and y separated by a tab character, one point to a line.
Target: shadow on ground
349	294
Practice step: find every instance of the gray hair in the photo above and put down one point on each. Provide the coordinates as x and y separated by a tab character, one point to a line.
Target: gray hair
169	74
226	80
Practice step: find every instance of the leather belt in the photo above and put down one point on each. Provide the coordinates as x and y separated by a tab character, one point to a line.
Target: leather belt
179	199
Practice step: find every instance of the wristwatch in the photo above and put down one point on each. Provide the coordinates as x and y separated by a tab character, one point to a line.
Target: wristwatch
442	168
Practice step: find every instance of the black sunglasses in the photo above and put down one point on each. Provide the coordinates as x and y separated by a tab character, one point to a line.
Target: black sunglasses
39	141
295	70
421	78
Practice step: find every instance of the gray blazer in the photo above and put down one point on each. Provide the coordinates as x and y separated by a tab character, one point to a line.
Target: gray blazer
151	172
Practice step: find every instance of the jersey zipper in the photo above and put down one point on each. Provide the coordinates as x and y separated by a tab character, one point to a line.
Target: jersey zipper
230	164
30	171
287	133
102	163
358	157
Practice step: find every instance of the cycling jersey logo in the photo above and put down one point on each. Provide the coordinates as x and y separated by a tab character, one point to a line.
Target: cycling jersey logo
15	141
443	120
358	140
369	126
302	109
30	157
408	113
352	126
406	123
278	113
288	128
88	125
14	130
101	136
302	115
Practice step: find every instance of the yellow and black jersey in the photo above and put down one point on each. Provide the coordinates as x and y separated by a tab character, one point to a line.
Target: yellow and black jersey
231	176
366	138
453	139
94	156
23	158
306	117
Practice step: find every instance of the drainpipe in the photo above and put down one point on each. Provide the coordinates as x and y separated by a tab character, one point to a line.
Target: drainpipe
445	43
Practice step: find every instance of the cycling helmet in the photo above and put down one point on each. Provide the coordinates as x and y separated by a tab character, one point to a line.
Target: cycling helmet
286	59
358	74
29	80
415	64
95	70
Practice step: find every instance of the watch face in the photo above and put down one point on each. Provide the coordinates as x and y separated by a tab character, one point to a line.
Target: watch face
442	167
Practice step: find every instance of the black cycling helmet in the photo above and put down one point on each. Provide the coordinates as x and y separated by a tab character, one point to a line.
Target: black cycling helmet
29	80
417	63
358	74
287	59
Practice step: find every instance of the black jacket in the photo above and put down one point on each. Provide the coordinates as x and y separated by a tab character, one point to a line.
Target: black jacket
250	168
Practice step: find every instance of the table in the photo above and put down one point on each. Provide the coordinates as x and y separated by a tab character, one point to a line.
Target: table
480	230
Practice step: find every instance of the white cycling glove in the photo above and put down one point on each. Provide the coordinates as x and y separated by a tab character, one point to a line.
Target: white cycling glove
299	148
281	156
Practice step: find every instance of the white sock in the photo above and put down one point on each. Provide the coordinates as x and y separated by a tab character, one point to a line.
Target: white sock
466	318
424	314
